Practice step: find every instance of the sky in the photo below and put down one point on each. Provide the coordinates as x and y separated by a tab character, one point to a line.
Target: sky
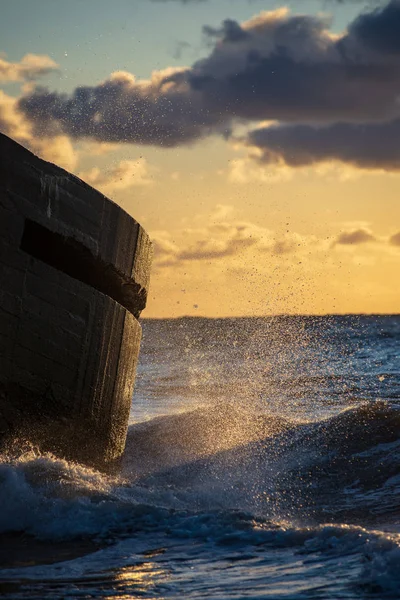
257	142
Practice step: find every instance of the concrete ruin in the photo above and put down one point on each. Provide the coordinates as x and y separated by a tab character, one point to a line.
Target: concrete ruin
74	277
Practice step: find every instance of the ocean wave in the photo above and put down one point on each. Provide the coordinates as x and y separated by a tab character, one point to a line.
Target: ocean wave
237	489
367	560
344	469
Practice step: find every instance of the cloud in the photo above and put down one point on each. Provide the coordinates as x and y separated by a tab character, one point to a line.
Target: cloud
58	149
230	31
99	148
244	170
394	240
355	237
212	243
163	246
284	246
159	111
276	66
224	240
207	249
226	245
12	122
221	238
180	47
258	168
126	174
29	68
364	145
380	28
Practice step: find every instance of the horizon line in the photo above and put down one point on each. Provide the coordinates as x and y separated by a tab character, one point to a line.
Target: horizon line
274	316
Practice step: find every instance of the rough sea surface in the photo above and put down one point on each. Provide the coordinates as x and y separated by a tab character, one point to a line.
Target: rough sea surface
262	461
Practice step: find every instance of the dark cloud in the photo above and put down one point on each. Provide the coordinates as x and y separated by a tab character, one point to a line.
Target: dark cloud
229	32
276	66
121	110
180	47
371	145
380	29
395	239
358	236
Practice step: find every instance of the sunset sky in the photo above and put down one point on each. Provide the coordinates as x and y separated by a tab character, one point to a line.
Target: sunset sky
258	143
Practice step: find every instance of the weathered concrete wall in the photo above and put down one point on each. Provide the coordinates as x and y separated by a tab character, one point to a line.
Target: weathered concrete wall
74	275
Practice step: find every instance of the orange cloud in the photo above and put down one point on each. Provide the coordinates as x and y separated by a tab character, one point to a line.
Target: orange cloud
125	174
28	68
58	149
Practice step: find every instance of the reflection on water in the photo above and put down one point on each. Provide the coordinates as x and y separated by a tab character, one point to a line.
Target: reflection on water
131	582
137	580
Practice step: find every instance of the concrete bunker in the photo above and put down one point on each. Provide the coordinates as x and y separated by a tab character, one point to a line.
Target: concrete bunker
74	259
74	276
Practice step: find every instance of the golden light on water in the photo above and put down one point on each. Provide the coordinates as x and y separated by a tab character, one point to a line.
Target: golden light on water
137	580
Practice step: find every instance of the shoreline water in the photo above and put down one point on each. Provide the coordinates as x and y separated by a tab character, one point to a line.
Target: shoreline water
262	465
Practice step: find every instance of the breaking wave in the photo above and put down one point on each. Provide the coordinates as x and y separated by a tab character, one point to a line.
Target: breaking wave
226	479
343	468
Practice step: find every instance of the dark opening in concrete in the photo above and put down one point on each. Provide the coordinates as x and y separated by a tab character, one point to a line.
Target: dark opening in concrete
74	259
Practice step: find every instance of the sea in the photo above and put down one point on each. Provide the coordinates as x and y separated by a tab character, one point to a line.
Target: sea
262	461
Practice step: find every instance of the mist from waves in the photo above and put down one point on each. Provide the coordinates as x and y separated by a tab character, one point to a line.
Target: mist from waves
266	472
